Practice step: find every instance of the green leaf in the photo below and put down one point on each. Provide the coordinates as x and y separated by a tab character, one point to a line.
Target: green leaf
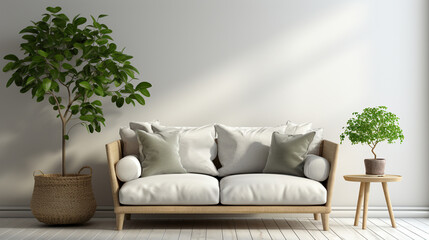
143	85
139	98
68	54
120	102
80	21
67	66
8	66
42	53
30	80
29	38
101	41
78	45
88	118
74	109
102	15
131	67
53	9
59	57
85	85
29	29
105	31
39	92
11	57
46	17
145	92
46	84
96	102
62	16
61	23
10	81
99	91
66	137
52	100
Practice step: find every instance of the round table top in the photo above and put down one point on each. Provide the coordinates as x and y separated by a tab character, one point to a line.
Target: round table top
373	178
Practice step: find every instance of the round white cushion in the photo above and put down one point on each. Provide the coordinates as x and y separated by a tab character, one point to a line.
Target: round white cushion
316	167
128	168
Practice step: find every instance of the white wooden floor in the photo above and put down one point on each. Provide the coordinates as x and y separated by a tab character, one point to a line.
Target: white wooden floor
237	228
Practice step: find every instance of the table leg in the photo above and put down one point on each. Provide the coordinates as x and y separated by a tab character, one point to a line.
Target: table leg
365	205
359	202
389	205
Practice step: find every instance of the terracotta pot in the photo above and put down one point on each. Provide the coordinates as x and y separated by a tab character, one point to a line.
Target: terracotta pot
375	166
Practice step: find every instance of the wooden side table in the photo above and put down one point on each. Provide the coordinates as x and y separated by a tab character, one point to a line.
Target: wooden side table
365	181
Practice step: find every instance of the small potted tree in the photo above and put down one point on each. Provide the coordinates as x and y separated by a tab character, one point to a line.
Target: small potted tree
372	126
72	65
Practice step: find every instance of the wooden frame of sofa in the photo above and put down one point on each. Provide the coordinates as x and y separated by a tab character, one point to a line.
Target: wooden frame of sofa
329	150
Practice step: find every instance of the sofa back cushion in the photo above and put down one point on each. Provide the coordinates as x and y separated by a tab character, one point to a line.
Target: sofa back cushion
197	147
243	150
129	140
129	137
159	153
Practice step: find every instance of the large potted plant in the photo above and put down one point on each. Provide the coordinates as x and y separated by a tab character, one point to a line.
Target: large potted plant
371	127
72	65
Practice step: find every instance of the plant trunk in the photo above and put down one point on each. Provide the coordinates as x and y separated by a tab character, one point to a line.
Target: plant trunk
375	155
63	169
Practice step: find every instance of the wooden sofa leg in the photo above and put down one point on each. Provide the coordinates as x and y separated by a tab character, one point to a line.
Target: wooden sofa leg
120	221
316	216
128	216
325	221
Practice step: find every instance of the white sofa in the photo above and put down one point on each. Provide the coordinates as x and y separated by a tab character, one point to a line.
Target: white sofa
192	193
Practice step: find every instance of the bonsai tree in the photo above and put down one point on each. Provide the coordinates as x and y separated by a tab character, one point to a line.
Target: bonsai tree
72	65
372	126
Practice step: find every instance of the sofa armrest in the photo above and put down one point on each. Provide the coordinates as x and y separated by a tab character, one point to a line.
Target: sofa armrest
114	153
330	152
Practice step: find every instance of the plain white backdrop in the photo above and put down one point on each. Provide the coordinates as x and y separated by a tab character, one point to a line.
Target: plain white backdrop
240	63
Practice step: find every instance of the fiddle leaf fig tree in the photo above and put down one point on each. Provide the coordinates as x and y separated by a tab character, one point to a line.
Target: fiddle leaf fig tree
372	126
72	65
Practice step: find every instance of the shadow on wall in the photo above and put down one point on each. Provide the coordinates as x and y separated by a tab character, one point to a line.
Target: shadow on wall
235	87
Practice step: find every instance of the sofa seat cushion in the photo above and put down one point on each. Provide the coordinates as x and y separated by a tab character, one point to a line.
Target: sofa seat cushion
271	189
171	189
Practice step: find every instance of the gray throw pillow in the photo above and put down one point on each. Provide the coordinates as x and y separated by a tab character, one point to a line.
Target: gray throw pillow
159	153
287	153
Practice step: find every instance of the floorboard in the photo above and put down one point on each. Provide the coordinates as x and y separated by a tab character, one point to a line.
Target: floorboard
273	229
299	229
217	229
285	229
214	229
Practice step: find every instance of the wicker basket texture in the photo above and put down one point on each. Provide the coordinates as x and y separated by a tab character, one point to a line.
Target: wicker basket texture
62	200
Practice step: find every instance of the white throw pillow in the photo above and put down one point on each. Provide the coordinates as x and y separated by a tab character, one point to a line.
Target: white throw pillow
197	147
303	128
128	168
244	149
314	147
145	126
129	140
316	167
295	128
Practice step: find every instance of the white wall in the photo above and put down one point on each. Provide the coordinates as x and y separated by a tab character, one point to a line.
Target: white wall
243	63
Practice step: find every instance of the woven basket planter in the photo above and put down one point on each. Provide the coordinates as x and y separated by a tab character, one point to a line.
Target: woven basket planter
61	199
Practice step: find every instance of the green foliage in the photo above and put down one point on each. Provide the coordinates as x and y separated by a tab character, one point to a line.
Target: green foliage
64	56
372	126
